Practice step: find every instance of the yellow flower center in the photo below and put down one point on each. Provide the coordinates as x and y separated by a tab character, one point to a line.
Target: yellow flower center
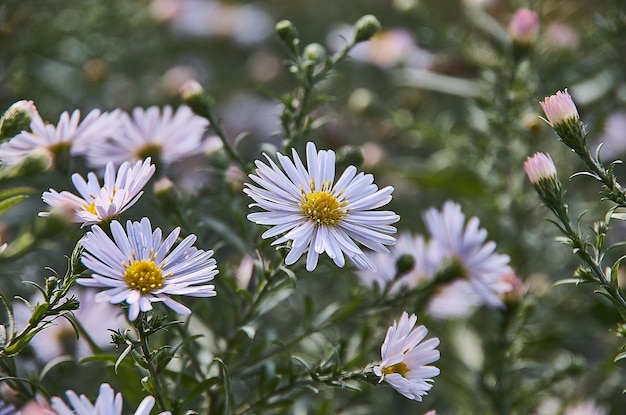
322	207
144	276
91	208
400	368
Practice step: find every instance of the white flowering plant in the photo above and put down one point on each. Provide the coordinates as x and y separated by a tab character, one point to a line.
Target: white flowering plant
357	235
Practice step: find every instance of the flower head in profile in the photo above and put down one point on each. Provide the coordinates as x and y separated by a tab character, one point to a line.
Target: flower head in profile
107	403
139	267
542	173
406	359
588	407
67	137
464	245
562	115
120	191
314	211
539	168
165	135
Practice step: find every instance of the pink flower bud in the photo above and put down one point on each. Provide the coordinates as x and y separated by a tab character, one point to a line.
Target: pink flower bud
524	27
559	108
540	167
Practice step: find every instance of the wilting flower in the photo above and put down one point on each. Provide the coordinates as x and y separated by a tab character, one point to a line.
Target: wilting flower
392	267
69	135
167	136
313	211
524	27
540	168
464	245
405	358
98	204
138	268
107	403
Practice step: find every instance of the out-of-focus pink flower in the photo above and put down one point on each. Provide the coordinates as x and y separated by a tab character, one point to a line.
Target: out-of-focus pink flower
524	27
560	35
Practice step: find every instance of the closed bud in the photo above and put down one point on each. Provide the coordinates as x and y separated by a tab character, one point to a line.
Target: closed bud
524	27
366	27
194	95
287	32
404	264
314	52
17	118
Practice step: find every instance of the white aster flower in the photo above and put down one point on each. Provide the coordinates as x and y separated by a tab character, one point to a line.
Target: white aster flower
465	244
168	136
70	134
107	403
98	204
426	261
313	211
405	358
138	268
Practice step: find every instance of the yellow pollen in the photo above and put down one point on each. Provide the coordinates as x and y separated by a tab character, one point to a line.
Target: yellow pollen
322	208
399	368
91	208
144	276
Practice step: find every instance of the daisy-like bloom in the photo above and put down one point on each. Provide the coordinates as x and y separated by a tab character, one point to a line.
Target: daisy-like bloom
165	135
464	244
107	403
524	27
539	168
313	211
425	263
98	204
138	268
67	136
405	358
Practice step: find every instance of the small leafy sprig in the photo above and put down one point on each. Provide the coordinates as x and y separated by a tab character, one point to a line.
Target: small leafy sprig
562	115
310	66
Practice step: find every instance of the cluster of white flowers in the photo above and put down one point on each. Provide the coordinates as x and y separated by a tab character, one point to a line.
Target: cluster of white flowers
307	209
167	135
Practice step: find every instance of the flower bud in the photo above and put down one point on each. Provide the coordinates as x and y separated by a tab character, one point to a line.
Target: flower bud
540	167
405	264
562	115
287	32
366	27
524	27
314	52
194	95
17	118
